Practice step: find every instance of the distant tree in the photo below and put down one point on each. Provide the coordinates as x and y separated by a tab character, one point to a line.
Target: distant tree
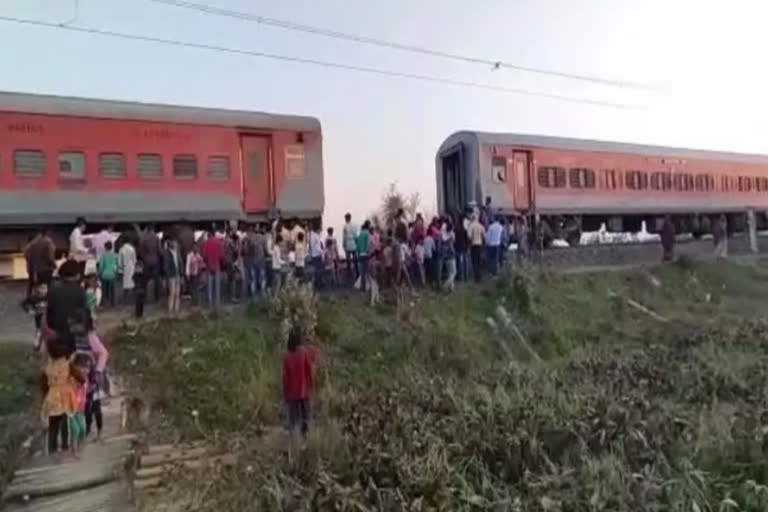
395	200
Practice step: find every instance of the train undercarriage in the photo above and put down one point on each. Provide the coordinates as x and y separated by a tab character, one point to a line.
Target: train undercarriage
570	227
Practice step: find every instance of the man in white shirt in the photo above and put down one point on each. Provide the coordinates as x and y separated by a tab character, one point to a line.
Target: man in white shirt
316	251
100	239
348	238
493	244
476	234
77	249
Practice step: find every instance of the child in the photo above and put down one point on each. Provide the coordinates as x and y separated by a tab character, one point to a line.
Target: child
82	365
92	294
298	370
108	273
96	382
59	402
36	305
301	257
331	259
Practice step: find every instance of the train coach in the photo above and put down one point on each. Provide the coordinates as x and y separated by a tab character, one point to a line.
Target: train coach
574	185
120	163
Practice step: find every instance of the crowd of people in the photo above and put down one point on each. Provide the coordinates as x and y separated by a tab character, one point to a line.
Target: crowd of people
257	260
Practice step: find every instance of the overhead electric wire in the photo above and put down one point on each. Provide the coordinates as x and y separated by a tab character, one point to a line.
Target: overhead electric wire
309	29
316	62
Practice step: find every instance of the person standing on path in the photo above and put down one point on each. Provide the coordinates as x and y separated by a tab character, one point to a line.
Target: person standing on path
362	248
476	238
297	377
668	238
720	237
493	245
126	264
67	306
41	257
59	401
173	271
349	237
77	250
107	267
149	254
316	252
213	255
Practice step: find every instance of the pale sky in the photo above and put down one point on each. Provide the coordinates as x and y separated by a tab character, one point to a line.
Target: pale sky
706	61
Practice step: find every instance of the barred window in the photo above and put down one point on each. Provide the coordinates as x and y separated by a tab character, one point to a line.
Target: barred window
661	181
704	182
149	166
499	169
745	184
636	180
185	167
218	168
682	182
28	163
762	184
551	177
611	180
112	165
581	178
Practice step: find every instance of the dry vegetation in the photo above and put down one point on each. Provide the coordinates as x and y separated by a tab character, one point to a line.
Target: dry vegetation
537	392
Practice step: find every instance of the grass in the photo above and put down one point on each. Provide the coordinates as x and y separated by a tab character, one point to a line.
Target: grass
535	392
18	399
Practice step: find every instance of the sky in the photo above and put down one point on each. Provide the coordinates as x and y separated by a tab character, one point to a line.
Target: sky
701	67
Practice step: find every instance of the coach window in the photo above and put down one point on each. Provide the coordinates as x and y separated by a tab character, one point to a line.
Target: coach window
218	168
28	163
683	182
636	180
551	177
295	163
661	181
559	177
71	166
761	184
610	178
149	166
581	178
185	167
704	182
745	184
112	165
499	169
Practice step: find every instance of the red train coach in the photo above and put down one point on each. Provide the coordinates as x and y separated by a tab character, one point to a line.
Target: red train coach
118	163
580	184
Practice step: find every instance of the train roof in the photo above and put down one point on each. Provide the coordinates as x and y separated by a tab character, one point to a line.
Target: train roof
110	109
543	141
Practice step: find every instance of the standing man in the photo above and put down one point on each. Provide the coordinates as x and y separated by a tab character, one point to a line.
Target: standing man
720	237
213	255
41	257
77	249
149	254
316	252
476	239
668	238
493	245
67	311
349	239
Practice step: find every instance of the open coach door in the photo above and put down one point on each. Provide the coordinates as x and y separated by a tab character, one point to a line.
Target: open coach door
521	182
257	181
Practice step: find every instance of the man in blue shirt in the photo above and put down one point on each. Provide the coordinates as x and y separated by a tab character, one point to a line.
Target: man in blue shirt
493	245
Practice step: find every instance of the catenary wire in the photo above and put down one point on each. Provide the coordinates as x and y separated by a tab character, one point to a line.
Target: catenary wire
320	63
309	29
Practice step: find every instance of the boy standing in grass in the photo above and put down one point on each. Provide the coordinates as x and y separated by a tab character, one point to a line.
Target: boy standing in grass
298	369
108	273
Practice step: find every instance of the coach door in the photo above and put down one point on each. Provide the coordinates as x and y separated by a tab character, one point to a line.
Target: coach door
521	181
257	195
